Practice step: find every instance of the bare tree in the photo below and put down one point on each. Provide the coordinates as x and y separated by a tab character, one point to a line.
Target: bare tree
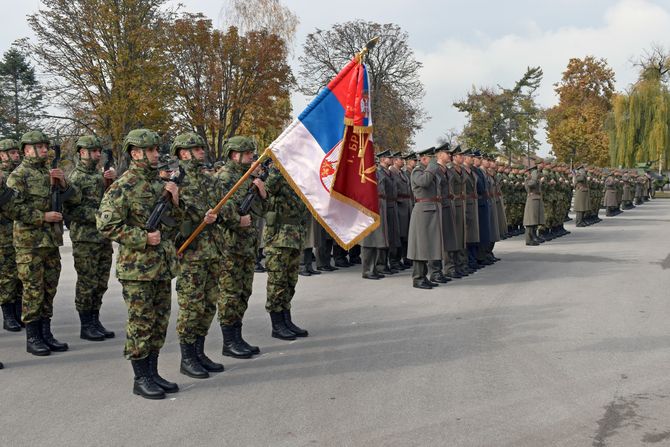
396	90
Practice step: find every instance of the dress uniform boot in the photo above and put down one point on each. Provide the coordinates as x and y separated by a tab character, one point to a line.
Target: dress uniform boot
255	350
438	277
142	384
98	325
9	322
168	387
421	284
530	240
231	346
279	329
1	365
298	331
87	330
49	339
34	343
190	366
205	361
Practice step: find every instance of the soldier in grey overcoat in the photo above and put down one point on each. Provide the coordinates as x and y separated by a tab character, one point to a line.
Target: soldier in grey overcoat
533	214
425	226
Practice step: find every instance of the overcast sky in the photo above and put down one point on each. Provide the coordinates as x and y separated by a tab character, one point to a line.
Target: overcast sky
466	43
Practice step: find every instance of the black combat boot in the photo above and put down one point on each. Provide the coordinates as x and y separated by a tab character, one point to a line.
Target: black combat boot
9	322
1	365
98	325
231	346
303	271
298	331
255	350
205	361
18	310
143	385
49	339
279	329
87	330
34	343
168	387
190	366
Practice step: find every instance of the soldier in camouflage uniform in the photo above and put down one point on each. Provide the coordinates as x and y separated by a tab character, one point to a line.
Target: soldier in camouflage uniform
198	282
92	253
38	232
146	262
10	286
241	239
284	236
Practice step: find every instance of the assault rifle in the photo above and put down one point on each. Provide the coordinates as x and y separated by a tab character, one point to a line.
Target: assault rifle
252	192
164	204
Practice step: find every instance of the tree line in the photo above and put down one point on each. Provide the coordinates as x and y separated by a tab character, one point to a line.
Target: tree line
108	66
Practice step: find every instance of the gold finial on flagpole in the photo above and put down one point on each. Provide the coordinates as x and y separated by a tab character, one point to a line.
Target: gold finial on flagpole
368	46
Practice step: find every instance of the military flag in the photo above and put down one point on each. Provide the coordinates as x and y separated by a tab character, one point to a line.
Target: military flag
327	156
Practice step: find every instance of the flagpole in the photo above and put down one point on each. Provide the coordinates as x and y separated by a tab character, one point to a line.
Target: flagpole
223	201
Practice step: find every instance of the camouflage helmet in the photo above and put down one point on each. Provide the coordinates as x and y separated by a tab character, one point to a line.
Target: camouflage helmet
187	140
238	144
34	137
8	144
88	142
142	138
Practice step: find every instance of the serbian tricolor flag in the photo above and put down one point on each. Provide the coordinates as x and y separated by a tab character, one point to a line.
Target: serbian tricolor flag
327	156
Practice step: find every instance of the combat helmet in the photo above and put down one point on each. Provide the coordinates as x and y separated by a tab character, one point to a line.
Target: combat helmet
187	140
8	144
88	142
141	138
238	144
34	137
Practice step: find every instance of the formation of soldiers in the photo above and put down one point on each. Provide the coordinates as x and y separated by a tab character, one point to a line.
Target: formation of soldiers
442	211
149	211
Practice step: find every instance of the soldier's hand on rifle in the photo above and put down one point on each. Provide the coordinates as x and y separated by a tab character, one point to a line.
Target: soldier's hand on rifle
110	174
154	238
261	188
59	175
245	221
53	216
210	217
173	189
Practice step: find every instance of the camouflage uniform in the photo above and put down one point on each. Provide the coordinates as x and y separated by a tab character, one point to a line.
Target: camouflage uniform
36	242
242	246
91	251
145	272
10	286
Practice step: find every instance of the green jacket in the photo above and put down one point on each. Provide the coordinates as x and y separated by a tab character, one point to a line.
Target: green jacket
32	184
239	240
199	193
84	205
6	222
286	220
123	213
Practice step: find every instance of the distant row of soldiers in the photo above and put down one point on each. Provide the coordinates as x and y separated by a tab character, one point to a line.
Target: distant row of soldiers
443	209
149	211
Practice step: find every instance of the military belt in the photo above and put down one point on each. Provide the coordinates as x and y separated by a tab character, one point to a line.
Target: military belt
431	199
288	221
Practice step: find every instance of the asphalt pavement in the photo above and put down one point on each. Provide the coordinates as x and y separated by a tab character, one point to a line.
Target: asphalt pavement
565	344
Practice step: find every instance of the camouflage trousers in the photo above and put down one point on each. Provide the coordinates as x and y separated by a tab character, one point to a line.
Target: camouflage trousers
283	265
148	304
237	278
10	286
198	289
39	271
92	261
